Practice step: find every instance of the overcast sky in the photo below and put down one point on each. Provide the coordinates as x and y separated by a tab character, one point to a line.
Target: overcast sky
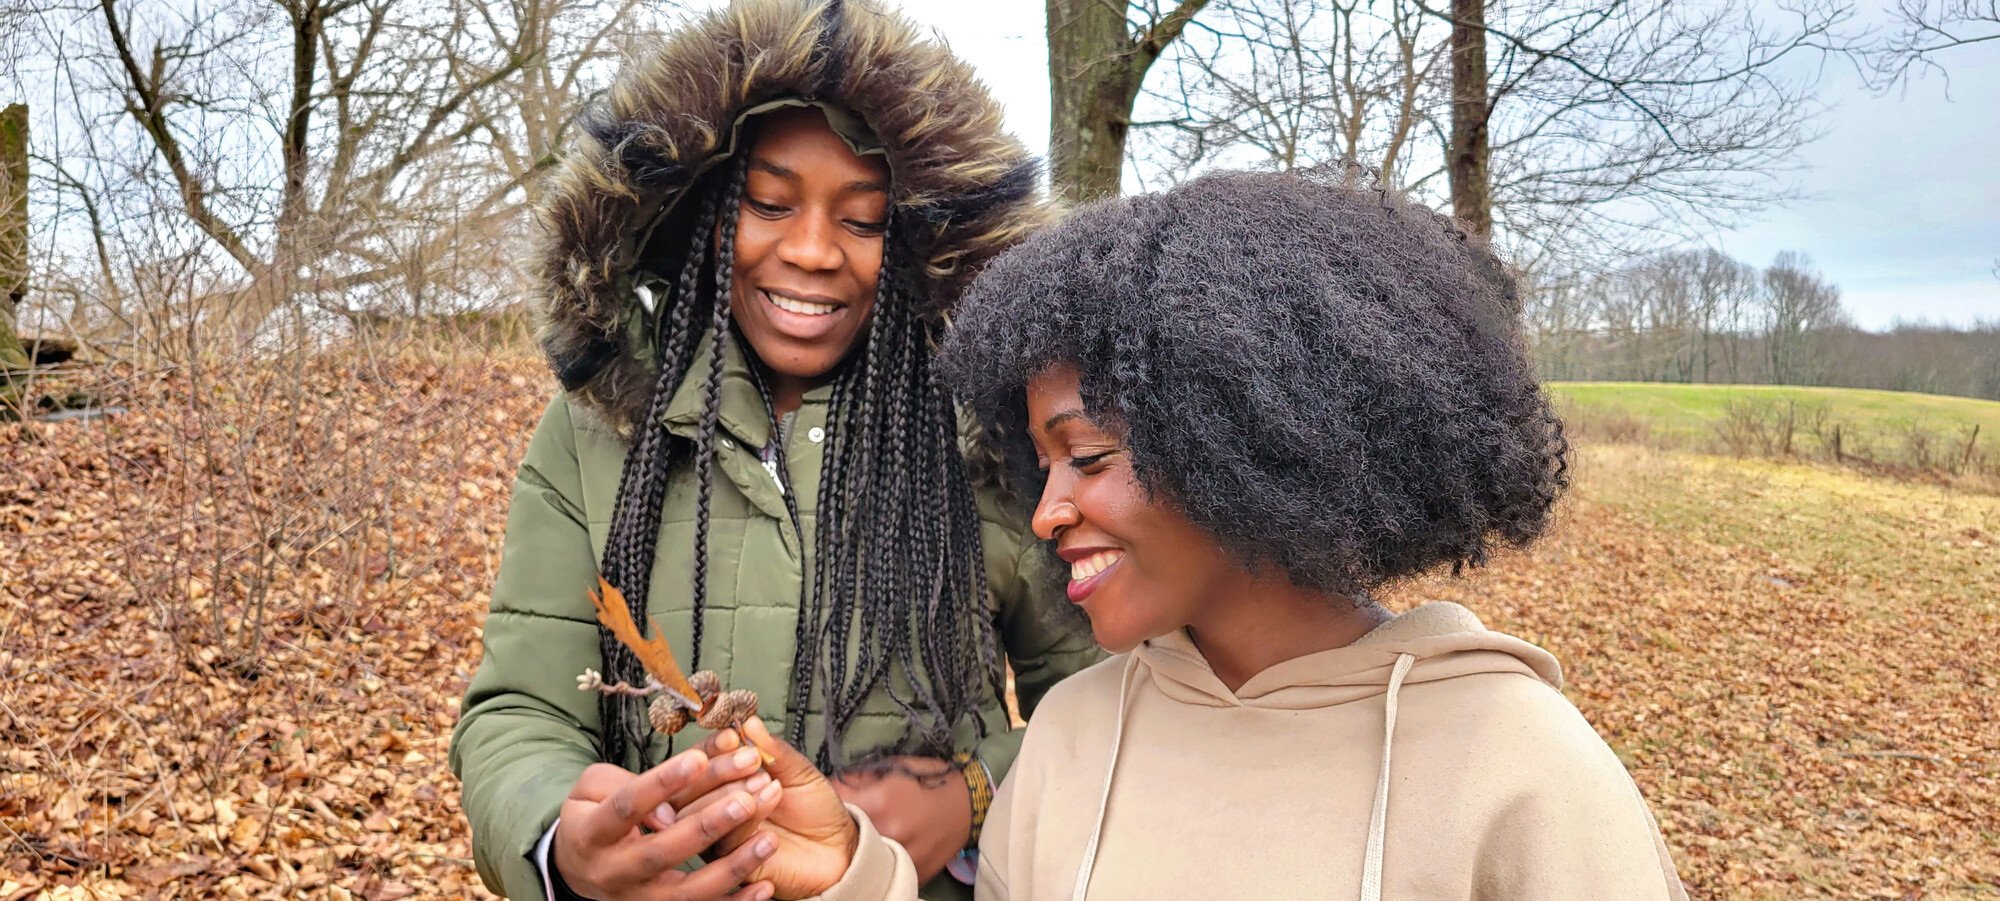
1903	208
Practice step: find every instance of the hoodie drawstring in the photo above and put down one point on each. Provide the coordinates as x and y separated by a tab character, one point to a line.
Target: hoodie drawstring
1110	769
1371	868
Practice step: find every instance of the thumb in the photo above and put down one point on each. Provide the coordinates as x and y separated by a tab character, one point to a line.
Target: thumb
787	765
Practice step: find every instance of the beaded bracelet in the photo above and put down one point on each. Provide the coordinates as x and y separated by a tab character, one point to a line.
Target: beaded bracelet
980	783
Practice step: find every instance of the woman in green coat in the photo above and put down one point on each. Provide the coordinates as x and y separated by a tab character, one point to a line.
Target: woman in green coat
746	267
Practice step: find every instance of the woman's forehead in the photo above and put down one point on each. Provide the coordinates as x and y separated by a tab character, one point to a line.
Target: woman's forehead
798	142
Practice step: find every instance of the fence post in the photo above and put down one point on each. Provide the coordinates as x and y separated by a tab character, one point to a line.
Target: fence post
1791	412
1965	459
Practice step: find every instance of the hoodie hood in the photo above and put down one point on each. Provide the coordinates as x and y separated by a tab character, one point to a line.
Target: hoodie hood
1429	644
1445	641
962	189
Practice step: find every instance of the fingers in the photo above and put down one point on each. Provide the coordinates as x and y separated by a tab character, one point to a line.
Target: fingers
636	799
787	765
720	742
691	834
740	866
767	802
723	768
755	891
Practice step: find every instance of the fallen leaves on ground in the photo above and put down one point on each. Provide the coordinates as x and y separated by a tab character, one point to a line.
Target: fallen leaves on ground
1796	663
237	621
236	624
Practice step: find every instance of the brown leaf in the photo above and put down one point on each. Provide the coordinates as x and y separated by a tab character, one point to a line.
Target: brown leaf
388	891
653	653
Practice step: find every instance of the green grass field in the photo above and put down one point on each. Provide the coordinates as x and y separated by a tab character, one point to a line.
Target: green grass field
1877	424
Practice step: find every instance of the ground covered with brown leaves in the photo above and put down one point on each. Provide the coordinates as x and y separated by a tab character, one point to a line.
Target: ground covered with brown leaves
235	623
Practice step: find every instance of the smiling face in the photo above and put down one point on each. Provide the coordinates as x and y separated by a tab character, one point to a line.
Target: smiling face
808	245
1138	567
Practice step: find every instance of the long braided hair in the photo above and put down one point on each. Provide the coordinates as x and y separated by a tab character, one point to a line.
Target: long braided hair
896	569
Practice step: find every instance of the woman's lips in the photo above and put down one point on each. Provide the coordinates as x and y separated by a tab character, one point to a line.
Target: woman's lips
799	318
1087	574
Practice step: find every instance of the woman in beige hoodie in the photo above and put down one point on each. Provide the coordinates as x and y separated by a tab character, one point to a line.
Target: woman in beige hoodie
1246	404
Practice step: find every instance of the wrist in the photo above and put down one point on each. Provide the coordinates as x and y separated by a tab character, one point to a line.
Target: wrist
979	792
559	888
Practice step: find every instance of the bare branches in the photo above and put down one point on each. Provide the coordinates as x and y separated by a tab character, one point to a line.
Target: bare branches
343	155
1098	61
1166	30
147	104
1294	83
1928	29
1609	129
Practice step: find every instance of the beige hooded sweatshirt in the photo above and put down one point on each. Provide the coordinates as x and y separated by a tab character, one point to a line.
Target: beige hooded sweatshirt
1430	759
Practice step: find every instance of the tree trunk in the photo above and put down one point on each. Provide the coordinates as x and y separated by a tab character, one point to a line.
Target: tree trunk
13	231
1096	66
1471	186
1091	91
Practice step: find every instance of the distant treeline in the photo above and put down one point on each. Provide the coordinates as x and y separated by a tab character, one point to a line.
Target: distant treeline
1701	316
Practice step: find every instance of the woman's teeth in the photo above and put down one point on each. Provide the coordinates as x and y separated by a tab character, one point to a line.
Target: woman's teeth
1083	570
800	307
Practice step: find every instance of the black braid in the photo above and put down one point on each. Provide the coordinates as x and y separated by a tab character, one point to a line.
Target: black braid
921	595
711	399
642	489
827	567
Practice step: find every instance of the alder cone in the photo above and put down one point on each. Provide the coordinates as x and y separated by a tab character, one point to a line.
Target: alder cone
666	716
730	709
720	710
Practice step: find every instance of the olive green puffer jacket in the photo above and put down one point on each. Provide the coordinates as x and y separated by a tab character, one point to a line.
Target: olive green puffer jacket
526	732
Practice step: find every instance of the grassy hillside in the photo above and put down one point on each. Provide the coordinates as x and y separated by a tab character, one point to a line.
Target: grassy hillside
1893	428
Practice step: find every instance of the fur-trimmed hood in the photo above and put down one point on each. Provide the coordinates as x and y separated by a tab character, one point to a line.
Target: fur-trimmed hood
963	189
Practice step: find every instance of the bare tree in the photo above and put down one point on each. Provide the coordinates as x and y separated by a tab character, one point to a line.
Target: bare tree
1604	128
370	90
1099	54
1801	306
337	154
1650	115
1290	83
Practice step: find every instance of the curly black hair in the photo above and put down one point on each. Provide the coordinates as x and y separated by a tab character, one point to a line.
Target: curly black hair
1325	376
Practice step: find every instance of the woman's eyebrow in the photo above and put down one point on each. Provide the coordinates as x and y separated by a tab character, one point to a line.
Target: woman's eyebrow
773	168
868	185
1062	417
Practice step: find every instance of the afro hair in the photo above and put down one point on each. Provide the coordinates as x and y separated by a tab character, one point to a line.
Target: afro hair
1323	375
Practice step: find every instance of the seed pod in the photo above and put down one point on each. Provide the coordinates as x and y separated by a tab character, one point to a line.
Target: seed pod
731	708
707	685
667	716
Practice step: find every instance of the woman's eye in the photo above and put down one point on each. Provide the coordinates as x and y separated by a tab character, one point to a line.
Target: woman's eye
766	209
1085	463
868	228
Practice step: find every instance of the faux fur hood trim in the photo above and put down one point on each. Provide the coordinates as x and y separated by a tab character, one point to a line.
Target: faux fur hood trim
963	189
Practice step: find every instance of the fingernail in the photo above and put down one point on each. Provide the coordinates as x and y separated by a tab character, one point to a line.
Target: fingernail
763	892
769	793
757	780
687	765
765	846
664	813
745	757
739	808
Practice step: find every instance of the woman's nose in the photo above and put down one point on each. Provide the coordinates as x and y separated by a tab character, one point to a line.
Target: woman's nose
1055	511
811	245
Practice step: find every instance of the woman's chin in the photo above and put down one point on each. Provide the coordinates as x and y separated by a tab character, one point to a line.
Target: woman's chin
1116	638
